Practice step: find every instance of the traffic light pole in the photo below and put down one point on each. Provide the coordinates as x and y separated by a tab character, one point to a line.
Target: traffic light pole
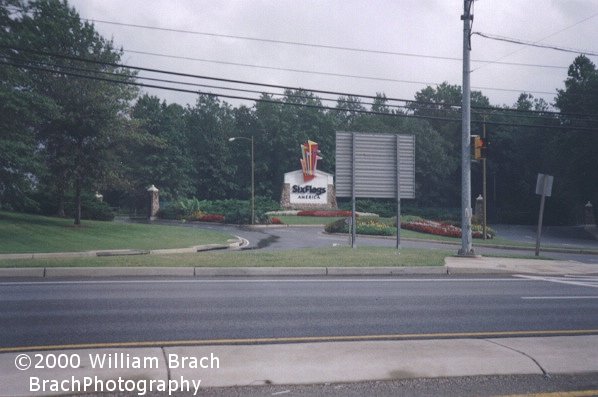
466	245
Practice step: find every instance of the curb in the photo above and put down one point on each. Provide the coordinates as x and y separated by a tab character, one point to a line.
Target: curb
235	243
191	272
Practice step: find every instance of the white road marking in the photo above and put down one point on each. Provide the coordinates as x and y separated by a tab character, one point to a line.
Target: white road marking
558	297
581	281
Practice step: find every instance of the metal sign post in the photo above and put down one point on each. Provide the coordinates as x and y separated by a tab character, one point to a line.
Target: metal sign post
398	194
544	189
353	198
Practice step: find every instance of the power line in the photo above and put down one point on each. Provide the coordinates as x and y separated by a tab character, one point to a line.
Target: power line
542	39
321	73
534	44
315	45
265	100
295	95
279	68
152	70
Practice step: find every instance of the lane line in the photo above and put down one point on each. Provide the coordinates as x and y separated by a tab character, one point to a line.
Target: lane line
303	339
559	297
572	393
274	280
563	280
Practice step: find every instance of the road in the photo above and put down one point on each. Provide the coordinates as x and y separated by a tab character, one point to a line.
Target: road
106	311
314	237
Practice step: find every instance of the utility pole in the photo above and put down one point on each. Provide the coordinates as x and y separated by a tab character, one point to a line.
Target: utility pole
484	183
466	245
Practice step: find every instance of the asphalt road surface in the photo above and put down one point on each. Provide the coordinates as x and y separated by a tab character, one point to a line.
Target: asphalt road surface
314	237
101	311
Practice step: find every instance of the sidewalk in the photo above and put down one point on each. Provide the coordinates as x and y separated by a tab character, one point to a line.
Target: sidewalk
308	363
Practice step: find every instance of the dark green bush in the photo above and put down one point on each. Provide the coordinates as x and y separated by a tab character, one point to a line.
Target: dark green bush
242	216
338	226
91	208
180	209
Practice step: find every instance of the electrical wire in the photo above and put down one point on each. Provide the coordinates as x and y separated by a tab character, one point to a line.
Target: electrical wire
234	81
272	101
534	44
294	95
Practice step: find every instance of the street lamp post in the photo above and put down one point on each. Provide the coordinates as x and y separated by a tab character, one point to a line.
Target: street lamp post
252	176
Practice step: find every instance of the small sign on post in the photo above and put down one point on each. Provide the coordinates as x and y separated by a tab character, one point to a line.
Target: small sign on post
544	189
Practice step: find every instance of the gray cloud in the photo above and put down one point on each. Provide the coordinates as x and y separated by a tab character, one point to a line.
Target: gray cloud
414	26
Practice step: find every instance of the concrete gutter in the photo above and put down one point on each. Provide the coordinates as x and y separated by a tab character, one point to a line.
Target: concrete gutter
309	363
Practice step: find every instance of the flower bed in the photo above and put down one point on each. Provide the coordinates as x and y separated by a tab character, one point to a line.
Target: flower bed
211	218
442	229
330	213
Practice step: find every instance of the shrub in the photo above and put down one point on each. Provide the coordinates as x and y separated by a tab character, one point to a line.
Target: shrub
276	221
265	204
370	226
338	226
242	216
195	216
91	208
478	231
180	209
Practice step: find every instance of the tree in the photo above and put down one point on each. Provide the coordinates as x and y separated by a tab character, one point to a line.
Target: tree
165	157
282	129
574	151
22	110
81	141
209	124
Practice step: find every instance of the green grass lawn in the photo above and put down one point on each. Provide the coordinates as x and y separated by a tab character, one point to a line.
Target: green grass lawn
320	257
24	233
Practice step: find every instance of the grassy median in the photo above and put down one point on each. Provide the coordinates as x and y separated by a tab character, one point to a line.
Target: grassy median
317	257
24	233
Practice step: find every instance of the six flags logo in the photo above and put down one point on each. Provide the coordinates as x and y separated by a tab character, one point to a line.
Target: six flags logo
309	160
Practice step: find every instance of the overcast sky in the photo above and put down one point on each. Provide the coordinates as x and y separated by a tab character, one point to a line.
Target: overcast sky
426	27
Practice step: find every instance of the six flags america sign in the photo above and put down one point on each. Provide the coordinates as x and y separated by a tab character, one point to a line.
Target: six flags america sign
308	188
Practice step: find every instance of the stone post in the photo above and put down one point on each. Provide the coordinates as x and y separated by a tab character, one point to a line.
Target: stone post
478	213
154	202
588	215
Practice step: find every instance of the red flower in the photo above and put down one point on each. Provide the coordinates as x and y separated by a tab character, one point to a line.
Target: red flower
212	218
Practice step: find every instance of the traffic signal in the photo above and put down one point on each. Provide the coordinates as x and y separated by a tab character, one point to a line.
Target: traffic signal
478	147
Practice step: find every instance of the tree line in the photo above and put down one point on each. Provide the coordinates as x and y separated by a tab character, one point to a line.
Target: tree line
64	137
